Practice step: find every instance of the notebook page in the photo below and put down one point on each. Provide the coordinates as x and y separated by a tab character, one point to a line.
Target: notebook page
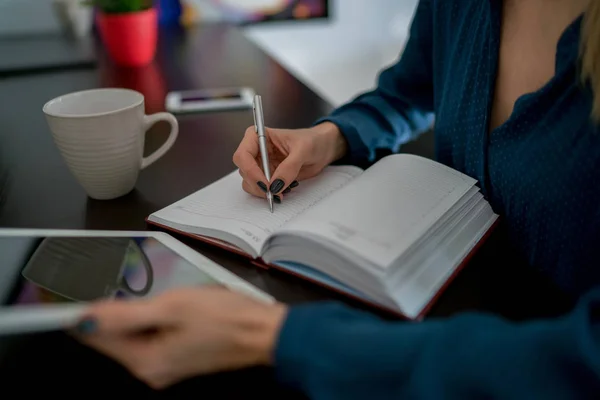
224	206
385	209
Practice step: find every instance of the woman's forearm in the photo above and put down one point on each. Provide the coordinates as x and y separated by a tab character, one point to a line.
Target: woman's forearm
330	351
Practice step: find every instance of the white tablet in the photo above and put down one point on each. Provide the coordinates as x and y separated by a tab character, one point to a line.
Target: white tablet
48	276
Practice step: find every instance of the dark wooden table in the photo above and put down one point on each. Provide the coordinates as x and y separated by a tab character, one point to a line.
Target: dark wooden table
37	191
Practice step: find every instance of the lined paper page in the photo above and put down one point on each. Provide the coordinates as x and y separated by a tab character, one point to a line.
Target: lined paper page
387	208
224	206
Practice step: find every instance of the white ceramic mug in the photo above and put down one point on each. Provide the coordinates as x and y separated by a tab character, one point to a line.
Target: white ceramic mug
100	134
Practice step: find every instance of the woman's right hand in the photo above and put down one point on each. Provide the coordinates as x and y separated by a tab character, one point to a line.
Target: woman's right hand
294	155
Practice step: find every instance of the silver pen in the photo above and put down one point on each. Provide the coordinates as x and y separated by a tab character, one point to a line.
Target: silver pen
259	126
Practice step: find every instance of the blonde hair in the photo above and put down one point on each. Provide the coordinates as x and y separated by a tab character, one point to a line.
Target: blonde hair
590	53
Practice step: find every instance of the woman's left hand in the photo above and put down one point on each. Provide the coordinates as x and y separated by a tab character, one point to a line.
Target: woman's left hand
184	333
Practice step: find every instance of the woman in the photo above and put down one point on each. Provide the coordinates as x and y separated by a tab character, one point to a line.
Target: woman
515	89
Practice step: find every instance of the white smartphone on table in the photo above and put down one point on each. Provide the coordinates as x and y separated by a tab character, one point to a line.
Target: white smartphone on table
201	100
48	277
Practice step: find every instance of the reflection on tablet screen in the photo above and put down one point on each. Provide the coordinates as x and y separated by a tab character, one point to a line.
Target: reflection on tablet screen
58	269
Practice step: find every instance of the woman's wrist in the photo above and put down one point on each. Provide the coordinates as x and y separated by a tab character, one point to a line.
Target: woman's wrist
258	335
336	144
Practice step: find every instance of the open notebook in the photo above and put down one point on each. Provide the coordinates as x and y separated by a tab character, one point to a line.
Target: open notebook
392	235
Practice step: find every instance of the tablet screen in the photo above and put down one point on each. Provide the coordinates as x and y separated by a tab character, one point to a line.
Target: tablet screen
66	269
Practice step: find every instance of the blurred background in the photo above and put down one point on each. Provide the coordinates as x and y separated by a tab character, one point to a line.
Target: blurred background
336	47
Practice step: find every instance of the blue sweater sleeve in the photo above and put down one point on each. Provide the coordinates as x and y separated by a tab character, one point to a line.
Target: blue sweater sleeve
329	351
400	108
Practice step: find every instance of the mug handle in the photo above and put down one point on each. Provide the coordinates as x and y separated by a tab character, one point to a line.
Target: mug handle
150	120
149	275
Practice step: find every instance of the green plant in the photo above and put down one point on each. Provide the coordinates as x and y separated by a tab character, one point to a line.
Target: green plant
120	6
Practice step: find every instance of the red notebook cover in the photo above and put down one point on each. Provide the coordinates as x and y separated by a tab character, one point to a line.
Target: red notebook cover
259	263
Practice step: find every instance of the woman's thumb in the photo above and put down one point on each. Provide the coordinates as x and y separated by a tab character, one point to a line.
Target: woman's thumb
119	317
287	172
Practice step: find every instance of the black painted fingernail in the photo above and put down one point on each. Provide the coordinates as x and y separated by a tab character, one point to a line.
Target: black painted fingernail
277	199
262	186
294	184
286	191
276	186
87	326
